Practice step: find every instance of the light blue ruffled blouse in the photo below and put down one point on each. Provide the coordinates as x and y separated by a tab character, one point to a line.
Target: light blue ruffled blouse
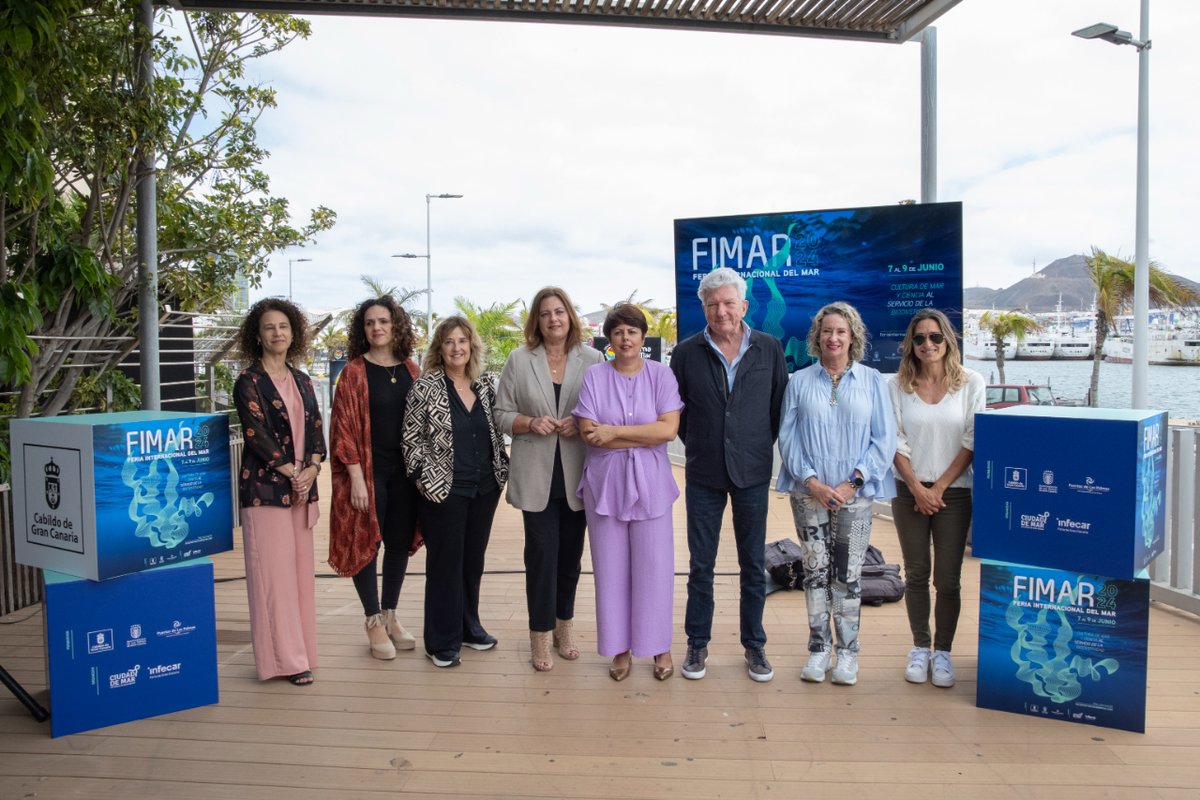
830	440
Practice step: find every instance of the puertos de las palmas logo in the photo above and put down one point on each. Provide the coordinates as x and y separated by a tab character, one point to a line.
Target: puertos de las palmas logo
1042	648
157	506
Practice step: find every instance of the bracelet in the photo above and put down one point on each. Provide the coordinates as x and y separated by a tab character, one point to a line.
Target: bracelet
316	464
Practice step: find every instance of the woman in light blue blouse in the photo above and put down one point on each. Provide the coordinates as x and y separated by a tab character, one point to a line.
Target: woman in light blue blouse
837	440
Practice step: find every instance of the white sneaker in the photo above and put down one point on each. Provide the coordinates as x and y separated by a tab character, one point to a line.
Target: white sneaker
818	664
846	671
943	669
917	670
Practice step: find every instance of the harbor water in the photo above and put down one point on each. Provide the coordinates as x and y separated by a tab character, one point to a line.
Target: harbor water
1175	390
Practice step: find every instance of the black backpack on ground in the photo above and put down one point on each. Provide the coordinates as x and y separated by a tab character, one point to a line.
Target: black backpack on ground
880	581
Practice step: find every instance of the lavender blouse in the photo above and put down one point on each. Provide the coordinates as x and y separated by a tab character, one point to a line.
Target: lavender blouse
633	483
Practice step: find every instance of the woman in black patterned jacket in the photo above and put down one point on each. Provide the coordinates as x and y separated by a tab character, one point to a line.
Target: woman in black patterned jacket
456	457
284	445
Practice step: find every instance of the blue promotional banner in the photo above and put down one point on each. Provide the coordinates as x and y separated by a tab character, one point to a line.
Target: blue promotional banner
1063	645
131	647
102	495
1071	488
886	261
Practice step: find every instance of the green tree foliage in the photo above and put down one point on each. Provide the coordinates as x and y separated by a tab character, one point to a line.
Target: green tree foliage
1113	279
496	326
77	119
1004	325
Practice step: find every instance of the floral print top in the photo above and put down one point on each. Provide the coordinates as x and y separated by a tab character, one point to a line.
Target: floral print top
267	437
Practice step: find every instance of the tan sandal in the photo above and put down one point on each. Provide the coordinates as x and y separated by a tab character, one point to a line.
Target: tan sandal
401	639
564	639
539	646
385	650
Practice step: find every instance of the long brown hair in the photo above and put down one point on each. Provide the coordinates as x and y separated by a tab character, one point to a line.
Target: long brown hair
402	332
533	330
248	342
910	365
433	356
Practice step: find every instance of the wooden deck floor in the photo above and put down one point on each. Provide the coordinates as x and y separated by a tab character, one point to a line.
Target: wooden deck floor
495	728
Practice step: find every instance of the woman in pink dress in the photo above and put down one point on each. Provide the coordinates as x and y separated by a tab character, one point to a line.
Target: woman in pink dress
628	410
284	446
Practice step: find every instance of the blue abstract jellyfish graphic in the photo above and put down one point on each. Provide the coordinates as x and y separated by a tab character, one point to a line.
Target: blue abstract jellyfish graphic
157	507
1043	655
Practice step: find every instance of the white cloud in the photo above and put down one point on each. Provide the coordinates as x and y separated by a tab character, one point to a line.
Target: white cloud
576	147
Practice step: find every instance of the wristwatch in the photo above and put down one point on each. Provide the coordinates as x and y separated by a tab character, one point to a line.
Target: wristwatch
856	481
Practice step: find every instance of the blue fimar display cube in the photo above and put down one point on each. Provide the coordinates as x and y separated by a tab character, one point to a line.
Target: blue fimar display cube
1070	488
1063	645
102	495
130	648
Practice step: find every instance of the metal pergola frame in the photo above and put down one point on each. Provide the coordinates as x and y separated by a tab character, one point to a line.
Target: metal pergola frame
893	21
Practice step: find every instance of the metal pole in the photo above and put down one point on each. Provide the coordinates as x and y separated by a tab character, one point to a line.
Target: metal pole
1141	271
428	278
147	234
929	115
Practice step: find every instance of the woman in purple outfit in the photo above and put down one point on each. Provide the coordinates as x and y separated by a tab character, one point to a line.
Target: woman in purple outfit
628	410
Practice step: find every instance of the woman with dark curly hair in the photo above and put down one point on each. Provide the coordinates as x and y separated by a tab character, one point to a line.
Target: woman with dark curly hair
284	445
374	502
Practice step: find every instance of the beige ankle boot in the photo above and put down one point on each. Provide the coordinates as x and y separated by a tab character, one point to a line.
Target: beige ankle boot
539	647
402	639
385	650
564	639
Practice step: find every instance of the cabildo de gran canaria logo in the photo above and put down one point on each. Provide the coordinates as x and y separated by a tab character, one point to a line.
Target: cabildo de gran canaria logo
53	489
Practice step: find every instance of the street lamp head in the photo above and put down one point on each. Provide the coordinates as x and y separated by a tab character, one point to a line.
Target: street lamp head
410	255
443	196
298	260
1109	33
1097	31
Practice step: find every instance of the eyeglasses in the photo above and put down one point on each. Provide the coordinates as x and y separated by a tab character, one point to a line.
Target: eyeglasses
936	338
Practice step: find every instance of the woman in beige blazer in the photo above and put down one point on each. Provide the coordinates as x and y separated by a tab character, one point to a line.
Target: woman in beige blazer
538	388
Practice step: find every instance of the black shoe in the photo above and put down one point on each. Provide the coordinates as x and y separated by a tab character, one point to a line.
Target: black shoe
757	665
484	642
693	664
446	658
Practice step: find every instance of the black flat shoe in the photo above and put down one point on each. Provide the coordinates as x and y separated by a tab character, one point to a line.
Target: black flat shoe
301	678
445	659
485	642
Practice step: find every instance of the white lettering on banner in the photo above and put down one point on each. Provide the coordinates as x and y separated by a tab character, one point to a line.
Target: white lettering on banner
164	670
1035	522
155	442
1048	590
1070	525
733	252
127	678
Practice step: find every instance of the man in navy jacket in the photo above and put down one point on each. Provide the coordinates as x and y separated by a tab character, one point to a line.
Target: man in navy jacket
732	380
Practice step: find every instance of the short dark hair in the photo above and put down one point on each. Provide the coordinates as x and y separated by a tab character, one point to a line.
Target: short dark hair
248	341
402	329
625	314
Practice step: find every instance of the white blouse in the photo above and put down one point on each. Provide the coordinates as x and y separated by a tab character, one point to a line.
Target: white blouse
931	434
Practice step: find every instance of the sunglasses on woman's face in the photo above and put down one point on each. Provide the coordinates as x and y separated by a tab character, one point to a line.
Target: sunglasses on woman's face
936	338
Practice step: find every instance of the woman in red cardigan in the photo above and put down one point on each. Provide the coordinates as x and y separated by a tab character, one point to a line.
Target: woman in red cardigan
374	502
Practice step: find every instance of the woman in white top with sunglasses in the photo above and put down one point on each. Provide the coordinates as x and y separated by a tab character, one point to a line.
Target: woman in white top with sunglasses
935	399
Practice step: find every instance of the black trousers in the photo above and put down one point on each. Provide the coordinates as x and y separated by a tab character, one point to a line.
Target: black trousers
396	510
553	550
456	537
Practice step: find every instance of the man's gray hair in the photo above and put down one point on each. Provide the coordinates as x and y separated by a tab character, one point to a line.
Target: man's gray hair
721	276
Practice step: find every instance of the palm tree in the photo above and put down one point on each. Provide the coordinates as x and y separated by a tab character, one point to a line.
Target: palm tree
1113	280
1003	324
496	326
665	324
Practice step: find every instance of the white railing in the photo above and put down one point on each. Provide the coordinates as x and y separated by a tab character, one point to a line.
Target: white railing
1174	574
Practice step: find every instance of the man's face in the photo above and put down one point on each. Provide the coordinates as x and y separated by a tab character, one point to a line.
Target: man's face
724	309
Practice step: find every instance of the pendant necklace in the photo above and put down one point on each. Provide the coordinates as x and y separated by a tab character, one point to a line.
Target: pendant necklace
835	380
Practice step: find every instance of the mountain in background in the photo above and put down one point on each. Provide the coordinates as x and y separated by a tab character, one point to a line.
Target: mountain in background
1040	292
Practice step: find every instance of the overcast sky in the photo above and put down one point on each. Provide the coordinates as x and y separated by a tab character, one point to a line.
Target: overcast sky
576	147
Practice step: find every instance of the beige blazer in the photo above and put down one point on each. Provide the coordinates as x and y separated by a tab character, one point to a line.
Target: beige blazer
526	389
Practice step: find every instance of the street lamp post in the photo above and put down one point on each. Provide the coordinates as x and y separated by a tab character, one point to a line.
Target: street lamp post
290	262
1141	268
428	262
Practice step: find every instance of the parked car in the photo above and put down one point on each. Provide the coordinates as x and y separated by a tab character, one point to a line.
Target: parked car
1003	395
